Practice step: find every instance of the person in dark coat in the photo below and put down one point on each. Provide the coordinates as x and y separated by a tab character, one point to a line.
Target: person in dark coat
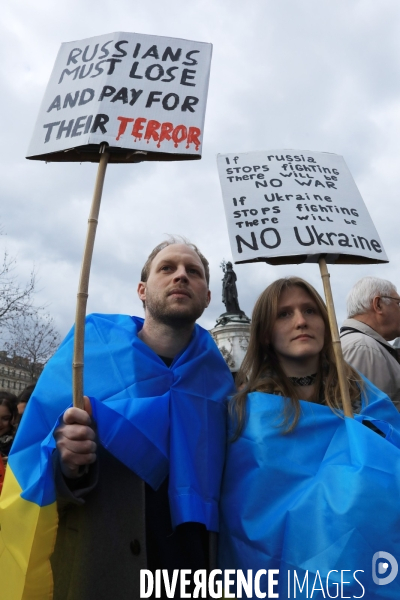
8	412
23	399
113	523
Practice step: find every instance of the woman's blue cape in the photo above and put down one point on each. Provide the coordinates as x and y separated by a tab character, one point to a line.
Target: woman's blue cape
324	498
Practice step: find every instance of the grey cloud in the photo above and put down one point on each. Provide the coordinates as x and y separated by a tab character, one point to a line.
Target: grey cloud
306	75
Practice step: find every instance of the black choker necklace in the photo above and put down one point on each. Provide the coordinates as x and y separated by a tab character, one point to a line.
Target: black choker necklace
307	380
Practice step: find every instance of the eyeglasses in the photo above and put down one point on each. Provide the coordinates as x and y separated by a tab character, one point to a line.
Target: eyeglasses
397	300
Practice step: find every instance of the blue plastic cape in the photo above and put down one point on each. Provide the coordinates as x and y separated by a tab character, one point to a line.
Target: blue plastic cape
156	420
324	498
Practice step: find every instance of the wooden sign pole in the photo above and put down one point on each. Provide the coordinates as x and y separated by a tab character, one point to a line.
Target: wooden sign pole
337	348
82	296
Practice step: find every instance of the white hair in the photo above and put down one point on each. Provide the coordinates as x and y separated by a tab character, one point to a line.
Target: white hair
359	299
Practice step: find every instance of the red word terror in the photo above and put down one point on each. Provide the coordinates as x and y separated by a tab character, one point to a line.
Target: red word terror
160	132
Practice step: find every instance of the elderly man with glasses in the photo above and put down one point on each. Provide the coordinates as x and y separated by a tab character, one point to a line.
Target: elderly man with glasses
373	310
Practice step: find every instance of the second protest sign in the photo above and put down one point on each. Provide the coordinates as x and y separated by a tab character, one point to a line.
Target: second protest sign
292	206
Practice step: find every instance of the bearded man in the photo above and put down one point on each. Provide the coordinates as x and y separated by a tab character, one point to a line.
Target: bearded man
138	471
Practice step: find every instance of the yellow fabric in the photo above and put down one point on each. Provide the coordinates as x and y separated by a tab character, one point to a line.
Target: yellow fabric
27	539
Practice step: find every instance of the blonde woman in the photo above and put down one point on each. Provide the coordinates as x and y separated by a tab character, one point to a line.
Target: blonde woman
307	492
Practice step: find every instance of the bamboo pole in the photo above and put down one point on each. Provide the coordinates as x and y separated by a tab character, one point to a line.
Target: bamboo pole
82	296
337	348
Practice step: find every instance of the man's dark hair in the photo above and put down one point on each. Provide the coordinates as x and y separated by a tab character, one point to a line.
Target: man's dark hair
173	240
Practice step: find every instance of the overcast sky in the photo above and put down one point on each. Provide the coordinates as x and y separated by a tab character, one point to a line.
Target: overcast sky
318	75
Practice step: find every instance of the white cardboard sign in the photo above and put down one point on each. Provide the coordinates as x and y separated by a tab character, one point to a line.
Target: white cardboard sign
292	206
133	91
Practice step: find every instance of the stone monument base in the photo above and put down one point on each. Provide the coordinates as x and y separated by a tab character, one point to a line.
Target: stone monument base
231	334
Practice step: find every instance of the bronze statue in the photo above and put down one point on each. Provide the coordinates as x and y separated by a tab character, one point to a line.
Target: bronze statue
229	290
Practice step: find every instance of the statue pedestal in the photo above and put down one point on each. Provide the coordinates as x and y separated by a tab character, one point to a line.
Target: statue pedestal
231	334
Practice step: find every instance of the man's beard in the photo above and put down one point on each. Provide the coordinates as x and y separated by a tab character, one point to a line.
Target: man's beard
178	317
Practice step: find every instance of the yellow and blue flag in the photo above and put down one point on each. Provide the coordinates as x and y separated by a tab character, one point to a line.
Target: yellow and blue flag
134	397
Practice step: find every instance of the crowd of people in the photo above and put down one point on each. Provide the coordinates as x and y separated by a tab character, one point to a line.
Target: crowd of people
11	410
148	471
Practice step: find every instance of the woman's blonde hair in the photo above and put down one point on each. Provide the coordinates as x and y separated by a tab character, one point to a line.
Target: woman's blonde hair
261	371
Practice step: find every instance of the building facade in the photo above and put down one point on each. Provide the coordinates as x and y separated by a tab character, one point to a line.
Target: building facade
15	373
